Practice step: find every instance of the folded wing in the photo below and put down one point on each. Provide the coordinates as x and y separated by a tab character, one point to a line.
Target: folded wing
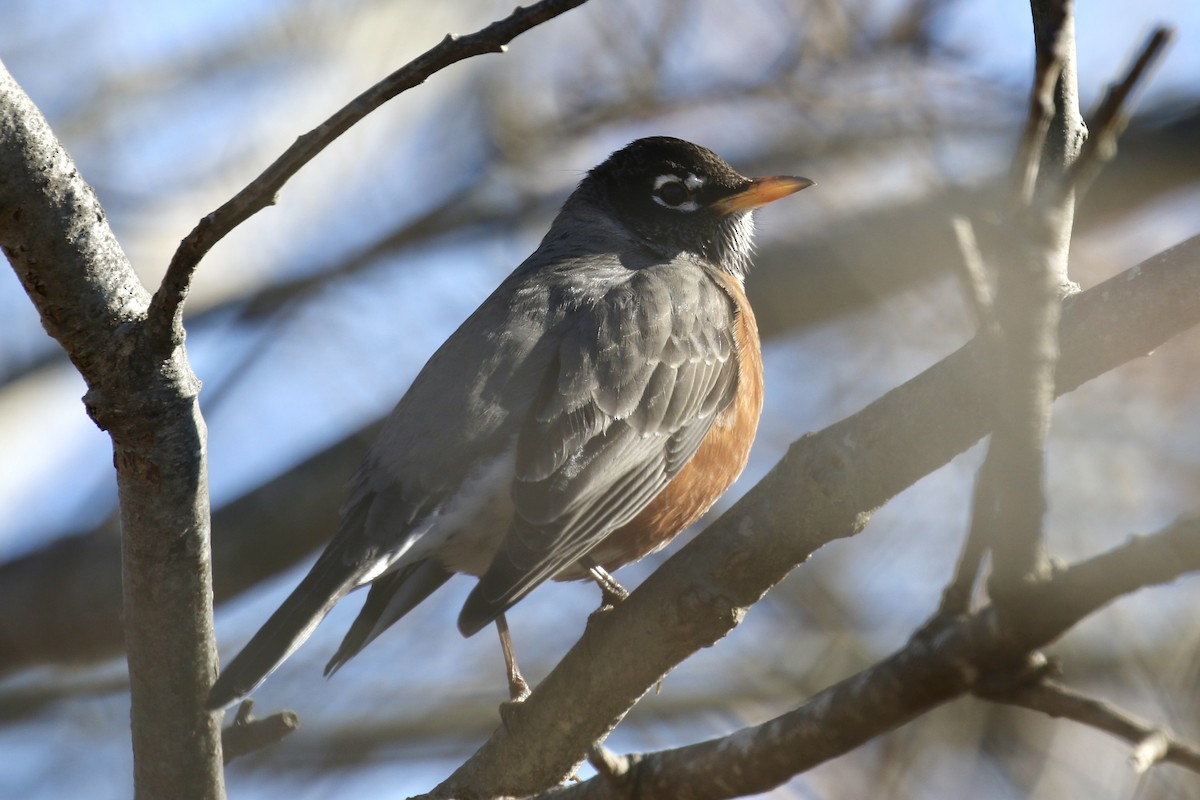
635	386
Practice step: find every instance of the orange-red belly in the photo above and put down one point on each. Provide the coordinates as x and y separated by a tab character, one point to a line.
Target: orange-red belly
713	469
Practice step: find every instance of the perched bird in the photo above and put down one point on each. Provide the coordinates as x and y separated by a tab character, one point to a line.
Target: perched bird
595	405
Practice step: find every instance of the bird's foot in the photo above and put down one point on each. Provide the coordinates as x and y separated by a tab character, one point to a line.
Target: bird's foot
611	592
518	689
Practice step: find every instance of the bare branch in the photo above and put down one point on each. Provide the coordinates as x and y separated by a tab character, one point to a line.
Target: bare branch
248	733
1054	43
824	489
1149	751
956	597
1151	744
1009	510
55	235
973	277
1011	517
263	190
612	768
1109	118
982	647
926	423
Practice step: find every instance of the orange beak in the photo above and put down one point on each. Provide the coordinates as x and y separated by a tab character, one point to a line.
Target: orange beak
760	192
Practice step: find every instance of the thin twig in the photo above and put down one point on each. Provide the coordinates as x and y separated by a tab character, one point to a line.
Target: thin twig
1050	40
247	733
956	597
167	304
611	767
973	275
1151	743
921	675
1109	118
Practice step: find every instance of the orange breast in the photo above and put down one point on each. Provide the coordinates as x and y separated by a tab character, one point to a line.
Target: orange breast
713	469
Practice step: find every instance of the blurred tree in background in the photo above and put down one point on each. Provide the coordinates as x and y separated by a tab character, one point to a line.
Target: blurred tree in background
308	322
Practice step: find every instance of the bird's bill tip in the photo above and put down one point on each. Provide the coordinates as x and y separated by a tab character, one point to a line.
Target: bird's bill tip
761	191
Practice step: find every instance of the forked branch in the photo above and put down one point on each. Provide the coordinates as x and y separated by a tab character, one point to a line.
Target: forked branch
263	190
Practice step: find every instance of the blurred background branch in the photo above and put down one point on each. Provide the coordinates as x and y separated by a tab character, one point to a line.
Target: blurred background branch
309	321
1060	702
976	649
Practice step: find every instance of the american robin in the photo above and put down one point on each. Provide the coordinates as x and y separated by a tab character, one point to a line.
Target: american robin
596	404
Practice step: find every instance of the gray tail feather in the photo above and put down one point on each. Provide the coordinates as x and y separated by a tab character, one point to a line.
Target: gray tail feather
327	582
391	597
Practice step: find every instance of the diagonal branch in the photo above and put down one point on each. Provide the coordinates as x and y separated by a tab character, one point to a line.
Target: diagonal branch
263	190
1151	743
61	603
1109	118
915	679
824	489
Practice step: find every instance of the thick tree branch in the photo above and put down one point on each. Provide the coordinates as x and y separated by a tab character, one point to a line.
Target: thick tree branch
263	190
61	604
55	236
54	233
923	674
141	389
1010	503
824	489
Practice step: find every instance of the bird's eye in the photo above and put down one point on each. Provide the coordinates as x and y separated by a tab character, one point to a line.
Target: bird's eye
673	193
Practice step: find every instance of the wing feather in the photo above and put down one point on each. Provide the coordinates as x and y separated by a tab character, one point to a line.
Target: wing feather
634	387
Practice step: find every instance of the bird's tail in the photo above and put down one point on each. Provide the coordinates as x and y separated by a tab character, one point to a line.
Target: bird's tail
391	597
286	630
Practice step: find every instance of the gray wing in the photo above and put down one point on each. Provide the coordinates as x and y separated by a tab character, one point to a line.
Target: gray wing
453	415
633	388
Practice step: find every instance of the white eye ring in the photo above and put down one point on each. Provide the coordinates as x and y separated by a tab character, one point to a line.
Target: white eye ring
689	184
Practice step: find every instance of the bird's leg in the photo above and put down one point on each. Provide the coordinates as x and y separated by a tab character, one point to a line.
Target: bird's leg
611	592
518	689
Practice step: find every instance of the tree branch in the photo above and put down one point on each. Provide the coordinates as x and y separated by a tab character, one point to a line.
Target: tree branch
1054	52
263	190
922	675
1152	744
54	233
60	604
973	277
248	733
824	489
1010	503
1109	118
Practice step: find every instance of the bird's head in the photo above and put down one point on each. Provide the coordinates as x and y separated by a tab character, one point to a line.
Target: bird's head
676	196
